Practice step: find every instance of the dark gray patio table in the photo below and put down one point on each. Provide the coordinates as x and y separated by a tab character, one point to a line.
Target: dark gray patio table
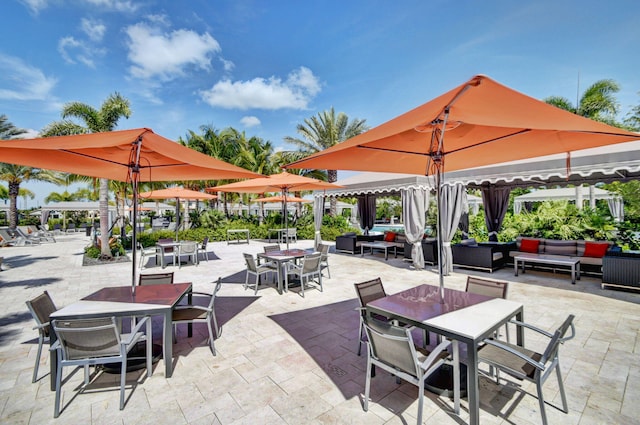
463	317
281	258
119	301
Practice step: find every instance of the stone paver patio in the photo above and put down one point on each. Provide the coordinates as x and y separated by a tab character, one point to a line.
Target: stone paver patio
284	359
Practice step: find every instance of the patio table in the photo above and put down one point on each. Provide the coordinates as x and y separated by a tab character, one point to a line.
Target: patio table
463	317
238	234
551	260
119	301
281	258
385	246
163	248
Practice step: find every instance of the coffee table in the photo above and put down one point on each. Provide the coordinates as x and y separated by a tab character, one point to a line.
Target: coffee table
382	245
572	263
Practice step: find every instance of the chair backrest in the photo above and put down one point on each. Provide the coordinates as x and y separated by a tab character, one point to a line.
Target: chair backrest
166	240
251	262
392	345
324	250
156	279
205	241
490	288
87	338
292	231
559	338
41	308
311	262
215	293
188	247
6	236
370	290
270	248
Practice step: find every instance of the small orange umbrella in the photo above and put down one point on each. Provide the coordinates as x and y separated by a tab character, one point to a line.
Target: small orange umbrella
284	182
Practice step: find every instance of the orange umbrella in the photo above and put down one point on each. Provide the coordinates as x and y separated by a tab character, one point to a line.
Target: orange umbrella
127	155
280	198
480	122
283	182
176	193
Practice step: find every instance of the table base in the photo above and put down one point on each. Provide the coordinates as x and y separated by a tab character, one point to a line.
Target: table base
136	359
441	381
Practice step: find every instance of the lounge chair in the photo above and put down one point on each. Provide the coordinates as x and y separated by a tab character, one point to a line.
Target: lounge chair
15	240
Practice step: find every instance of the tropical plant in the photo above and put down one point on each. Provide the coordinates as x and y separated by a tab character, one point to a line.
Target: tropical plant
633	118
8	130
598	102
95	120
323	131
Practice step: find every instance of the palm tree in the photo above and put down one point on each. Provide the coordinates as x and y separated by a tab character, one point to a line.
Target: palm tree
95	121
8	130
14	175
324	131
61	197
598	102
633	118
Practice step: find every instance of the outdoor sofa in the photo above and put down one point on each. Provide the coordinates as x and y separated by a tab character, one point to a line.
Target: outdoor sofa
486	256
350	242
621	270
590	253
429	251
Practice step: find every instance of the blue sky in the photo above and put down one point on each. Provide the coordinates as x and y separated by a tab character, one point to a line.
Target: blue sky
264	66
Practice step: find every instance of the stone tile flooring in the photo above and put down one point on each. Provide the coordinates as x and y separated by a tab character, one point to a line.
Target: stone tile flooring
284	359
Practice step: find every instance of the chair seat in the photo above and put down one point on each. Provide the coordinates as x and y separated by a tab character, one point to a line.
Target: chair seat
180	314
492	354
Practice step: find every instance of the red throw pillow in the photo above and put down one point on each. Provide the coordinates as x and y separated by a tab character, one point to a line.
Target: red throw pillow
389	237
595	249
529	245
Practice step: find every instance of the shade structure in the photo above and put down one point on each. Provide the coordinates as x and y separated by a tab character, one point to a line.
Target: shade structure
480	122
283	182
127	155
176	193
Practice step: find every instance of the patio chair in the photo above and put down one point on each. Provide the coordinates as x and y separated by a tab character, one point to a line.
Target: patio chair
196	313
526	364
166	250
257	270
33	238
368	291
490	288
90	342
190	249
71	228
290	234
203	248
156	279
43	235
391	348
41	307
145	253
15	239
7	239
306	272
324	260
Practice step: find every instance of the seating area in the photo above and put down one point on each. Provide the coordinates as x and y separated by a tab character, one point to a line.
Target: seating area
287	359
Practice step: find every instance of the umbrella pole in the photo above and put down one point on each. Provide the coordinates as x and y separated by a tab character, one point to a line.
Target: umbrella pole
439	226
286	217
134	169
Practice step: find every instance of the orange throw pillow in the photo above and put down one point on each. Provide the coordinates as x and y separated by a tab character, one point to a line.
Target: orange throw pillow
529	245
389	237
595	249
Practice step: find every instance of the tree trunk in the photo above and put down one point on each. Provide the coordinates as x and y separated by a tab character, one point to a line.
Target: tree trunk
105	251
332	177
14	189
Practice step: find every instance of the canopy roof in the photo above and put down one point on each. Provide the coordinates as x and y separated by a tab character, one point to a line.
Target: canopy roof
619	162
565	193
74	206
378	183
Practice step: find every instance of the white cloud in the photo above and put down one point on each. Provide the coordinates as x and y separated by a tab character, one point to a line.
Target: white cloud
295	92
117	5
250	121
74	51
20	81
94	29
35	5
165	56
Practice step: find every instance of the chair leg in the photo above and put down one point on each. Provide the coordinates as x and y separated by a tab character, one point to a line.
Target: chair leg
149	337
211	344
543	413
35	369
56	407
565	407
367	385
123	381
255	292
420	400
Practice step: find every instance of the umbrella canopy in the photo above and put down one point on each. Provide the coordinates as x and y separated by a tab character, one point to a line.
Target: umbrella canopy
283	182
478	123
280	198
176	193
485	123
127	155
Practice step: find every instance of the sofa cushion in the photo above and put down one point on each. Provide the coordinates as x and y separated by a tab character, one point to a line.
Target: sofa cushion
529	245
389	236
595	249
469	242
560	247
349	234
400	239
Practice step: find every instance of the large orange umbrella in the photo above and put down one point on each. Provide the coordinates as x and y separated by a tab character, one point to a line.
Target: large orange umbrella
480	122
127	155
284	182
176	193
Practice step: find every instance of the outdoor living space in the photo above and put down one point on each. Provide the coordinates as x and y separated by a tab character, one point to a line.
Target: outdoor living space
284	359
